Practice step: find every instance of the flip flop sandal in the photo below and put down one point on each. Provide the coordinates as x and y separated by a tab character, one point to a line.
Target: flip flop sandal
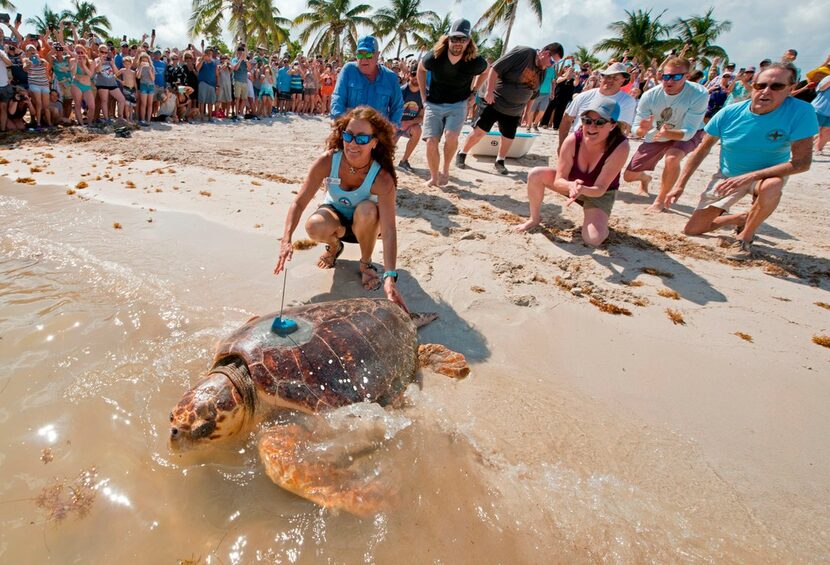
370	267
336	255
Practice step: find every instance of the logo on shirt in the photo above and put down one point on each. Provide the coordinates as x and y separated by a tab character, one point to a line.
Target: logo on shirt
664	118
775	135
345	201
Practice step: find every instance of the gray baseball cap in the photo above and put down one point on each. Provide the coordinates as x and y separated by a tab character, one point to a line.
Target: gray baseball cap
460	28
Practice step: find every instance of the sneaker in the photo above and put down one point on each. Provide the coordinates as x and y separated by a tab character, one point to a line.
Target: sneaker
405	166
535	128
500	168
459	160
740	250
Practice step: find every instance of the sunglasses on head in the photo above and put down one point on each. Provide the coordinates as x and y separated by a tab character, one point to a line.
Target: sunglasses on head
776	86
675	77
364	55
359	138
594	122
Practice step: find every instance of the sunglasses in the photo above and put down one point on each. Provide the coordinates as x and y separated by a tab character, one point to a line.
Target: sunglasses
364	55
594	122
674	77
776	86
458	39
359	138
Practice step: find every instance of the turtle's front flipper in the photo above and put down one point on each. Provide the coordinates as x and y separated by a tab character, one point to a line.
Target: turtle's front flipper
343	473
442	360
420	319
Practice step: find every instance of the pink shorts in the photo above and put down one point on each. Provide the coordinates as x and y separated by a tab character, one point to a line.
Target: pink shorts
650	152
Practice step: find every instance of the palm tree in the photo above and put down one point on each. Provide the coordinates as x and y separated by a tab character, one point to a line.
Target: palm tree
641	35
504	11
48	20
6	5
254	21
333	24
494	51
699	33
436	26
583	55
86	19
401	20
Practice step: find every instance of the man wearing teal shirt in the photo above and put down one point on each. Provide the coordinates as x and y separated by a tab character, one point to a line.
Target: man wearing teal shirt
764	140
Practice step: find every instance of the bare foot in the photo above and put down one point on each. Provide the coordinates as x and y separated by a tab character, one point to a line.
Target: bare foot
443	179
528	225
655	208
644	185
430	183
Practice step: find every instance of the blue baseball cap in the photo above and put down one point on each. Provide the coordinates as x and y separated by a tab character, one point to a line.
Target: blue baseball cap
367	43
605	107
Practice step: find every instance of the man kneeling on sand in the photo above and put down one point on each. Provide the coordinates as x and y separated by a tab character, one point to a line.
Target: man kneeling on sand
764	140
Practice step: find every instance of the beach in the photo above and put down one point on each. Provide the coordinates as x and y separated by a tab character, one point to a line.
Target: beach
649	400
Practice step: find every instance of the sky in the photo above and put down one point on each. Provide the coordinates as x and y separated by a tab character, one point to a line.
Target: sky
760	28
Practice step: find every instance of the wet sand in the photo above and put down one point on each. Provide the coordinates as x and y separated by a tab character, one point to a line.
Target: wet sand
579	433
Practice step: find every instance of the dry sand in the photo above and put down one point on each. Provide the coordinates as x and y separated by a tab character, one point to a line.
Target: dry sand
735	375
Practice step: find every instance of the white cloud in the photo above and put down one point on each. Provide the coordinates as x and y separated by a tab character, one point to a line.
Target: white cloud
760	28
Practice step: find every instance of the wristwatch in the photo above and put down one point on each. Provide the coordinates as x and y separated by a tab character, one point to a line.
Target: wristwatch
393	274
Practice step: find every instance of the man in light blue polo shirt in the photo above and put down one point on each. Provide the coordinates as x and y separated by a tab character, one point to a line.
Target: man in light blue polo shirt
365	83
764	140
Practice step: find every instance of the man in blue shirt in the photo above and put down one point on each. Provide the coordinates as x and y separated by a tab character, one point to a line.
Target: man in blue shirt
365	83
764	140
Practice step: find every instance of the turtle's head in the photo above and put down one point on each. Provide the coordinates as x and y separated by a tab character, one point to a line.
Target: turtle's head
211	411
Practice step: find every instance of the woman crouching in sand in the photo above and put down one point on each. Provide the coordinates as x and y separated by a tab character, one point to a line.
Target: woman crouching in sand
358	173
587	172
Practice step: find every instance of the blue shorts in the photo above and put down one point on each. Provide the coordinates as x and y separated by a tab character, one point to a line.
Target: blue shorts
823	121
148	88
34	88
439	118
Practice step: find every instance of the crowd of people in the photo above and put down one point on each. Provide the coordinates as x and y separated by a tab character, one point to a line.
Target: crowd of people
768	120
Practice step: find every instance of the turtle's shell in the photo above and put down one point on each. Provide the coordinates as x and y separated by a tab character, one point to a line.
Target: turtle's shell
343	352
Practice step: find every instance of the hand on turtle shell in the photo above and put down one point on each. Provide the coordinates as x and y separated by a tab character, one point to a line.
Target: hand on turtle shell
286	252
393	294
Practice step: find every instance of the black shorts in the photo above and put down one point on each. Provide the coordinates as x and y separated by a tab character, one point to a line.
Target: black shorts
349	236
284	96
6	93
507	124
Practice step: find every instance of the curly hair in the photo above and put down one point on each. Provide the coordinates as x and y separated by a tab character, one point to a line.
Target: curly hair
470	52
384	132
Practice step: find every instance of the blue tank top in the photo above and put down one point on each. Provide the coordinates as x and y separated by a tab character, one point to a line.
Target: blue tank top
207	73
345	201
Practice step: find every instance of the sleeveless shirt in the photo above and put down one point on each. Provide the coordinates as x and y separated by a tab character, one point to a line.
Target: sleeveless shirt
345	201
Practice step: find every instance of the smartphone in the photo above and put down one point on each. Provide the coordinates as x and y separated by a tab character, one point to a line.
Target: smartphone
5	18
181	89
32	36
18	18
153	32
124	37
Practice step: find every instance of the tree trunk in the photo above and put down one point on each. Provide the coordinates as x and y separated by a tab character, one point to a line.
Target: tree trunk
509	28
400	46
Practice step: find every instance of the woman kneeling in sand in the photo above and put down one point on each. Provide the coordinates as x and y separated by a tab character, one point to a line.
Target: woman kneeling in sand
587	172
358	172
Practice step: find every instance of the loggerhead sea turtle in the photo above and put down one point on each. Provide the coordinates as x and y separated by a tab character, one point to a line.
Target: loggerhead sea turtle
343	353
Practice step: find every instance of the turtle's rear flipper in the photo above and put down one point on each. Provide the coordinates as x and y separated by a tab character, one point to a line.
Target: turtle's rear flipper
442	360
347	478
423	318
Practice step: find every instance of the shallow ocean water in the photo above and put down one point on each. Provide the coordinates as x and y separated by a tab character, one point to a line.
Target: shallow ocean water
101	330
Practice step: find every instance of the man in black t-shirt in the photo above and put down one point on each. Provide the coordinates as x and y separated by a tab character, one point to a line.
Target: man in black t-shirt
511	82
413	116
454	64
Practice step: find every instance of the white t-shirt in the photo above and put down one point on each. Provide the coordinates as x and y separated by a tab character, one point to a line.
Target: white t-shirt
628	106
4	74
682	111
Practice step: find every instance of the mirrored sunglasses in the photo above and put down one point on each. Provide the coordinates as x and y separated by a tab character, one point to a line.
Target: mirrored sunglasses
360	138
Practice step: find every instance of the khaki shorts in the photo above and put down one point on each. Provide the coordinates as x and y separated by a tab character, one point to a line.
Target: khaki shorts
711	198
604	202
240	90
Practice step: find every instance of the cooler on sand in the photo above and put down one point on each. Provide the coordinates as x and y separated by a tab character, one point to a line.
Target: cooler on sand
488	145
